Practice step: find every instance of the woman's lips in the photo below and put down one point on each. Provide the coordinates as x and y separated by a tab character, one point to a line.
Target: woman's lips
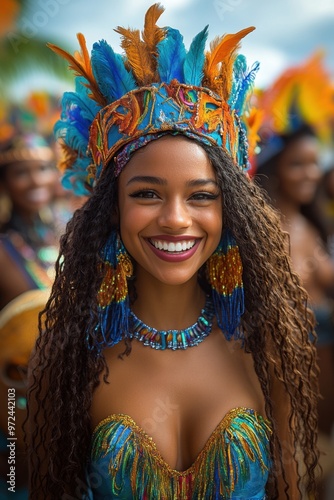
173	250
39	195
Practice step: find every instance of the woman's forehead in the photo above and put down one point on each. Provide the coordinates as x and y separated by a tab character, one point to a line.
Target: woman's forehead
169	158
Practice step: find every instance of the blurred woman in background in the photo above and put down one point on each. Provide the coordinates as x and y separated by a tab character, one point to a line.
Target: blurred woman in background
28	238
296	120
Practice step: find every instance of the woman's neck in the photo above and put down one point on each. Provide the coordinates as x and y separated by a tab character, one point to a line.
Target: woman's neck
167	307
287	208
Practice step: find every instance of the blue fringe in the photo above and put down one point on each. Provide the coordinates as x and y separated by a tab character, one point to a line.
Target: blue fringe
229	308
113	323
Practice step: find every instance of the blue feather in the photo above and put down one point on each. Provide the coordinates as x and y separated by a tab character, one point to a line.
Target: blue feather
89	107
243	89
172	54
76	178
194	61
73	100
239	71
75	140
113	79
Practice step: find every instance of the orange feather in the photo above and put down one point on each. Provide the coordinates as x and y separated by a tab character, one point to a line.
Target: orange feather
85	58
152	34
80	64
67	158
138	56
222	50
228	43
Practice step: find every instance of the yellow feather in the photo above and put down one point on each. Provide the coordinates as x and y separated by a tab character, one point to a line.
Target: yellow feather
138	56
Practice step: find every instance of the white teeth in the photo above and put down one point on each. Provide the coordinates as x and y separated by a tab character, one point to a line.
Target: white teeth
180	246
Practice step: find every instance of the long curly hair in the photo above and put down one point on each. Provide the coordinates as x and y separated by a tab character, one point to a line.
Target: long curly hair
64	372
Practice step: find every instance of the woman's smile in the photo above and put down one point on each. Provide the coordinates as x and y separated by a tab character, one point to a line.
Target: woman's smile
174	250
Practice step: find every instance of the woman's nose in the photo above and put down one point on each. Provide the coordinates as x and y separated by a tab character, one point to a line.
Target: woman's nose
314	172
41	177
175	215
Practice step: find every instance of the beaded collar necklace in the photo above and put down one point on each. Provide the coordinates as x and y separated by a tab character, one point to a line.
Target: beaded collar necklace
174	339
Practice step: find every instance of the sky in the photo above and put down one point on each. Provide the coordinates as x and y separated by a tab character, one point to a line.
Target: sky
287	31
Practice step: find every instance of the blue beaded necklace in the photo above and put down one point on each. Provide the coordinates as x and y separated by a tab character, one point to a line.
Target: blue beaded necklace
174	339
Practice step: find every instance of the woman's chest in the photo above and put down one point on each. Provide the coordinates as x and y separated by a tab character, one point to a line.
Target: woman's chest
233	463
179	398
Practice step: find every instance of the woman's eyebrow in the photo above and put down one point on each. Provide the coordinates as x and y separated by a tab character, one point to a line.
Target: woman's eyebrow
149	179
202	182
162	182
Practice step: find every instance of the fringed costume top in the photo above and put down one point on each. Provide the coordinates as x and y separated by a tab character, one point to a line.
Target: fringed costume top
234	463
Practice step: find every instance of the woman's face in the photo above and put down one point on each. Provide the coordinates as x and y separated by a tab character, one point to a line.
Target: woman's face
170	209
29	184
298	170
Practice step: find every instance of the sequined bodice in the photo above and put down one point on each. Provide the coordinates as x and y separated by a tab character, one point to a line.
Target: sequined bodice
234	463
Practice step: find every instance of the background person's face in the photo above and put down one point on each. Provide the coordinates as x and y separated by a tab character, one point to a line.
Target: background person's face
29	185
298	171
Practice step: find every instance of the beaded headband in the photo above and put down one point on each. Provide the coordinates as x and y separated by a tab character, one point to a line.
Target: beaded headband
123	102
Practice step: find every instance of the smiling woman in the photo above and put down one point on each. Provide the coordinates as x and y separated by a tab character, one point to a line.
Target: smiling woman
28	244
177	342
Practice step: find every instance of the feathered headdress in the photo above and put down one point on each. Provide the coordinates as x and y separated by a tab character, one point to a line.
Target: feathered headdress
121	102
302	96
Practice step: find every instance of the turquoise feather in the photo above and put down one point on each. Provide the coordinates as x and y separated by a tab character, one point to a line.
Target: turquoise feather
243	82
113	79
89	107
76	179
172	54
194	61
239	71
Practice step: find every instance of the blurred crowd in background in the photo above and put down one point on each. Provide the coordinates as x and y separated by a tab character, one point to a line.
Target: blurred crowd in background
293	125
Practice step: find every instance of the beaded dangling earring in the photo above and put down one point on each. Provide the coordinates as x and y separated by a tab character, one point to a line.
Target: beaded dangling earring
113	297
224	269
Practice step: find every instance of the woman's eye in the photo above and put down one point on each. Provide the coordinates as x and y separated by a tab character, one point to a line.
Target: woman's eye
21	173
44	168
147	194
204	196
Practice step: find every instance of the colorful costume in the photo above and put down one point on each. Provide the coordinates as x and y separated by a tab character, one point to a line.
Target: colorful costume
234	462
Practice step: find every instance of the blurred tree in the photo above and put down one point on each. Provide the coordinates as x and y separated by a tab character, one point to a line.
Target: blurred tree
21	46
